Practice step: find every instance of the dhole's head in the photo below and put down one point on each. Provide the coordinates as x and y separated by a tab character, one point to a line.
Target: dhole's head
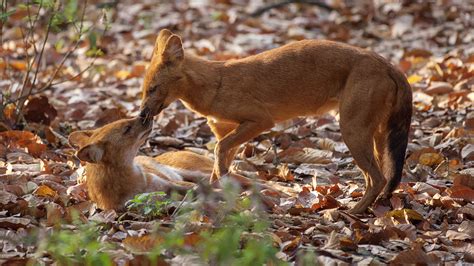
164	77
117	142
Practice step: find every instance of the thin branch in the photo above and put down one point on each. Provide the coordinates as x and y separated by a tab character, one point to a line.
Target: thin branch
33	24
40	56
2	107
180	204
4	10
48	30
51	82
91	64
104	32
30	23
29	60
29	39
66	56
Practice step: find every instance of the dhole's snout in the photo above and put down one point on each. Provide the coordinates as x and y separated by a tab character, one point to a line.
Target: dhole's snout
145	117
142	127
145	113
144	122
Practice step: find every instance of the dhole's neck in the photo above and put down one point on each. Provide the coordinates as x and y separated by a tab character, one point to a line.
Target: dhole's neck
113	173
110	185
203	80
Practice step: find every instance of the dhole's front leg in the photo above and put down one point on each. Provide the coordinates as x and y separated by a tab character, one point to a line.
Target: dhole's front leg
243	133
221	130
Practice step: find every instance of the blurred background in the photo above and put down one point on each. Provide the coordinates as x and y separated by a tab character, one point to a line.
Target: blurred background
91	55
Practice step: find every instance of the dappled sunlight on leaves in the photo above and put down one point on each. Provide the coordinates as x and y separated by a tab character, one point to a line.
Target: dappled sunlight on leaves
428	220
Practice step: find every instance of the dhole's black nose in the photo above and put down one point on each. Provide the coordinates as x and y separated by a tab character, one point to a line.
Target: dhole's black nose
144	113
145	116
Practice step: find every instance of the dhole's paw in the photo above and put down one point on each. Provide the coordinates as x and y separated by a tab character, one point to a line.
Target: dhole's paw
214	178
383	200
359	208
227	181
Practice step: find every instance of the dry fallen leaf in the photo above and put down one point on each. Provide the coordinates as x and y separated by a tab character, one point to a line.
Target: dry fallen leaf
407	214
45	191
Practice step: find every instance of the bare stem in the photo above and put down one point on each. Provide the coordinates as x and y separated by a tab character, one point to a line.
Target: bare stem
33	24
27	89
66	56
4	10
51	82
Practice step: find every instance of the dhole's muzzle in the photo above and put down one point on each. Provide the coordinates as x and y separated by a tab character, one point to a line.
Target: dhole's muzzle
148	113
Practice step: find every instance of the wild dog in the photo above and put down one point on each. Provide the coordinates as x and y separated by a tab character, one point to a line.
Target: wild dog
242	98
114	172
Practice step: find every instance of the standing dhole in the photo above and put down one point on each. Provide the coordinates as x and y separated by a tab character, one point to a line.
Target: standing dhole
242	98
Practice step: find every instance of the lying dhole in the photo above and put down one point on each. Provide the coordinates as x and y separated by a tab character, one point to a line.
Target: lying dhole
115	174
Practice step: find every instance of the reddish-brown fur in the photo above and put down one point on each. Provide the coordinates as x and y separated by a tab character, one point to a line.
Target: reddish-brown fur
242	98
115	174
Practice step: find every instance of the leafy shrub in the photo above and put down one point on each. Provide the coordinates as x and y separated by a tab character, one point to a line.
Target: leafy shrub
149	204
77	247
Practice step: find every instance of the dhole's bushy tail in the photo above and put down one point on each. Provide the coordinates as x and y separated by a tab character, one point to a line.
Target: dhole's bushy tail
398	128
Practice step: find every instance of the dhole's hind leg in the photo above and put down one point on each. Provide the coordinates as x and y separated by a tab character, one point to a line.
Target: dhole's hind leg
383	160
358	126
382	156
361	147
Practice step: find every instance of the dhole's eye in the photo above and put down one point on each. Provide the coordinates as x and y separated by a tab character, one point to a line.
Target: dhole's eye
127	129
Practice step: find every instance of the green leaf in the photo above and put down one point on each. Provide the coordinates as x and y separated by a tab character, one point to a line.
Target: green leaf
147	210
45	3
59	45
4	15
92	40
70	10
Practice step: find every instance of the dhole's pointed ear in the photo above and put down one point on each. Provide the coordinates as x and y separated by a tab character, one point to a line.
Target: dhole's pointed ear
173	51
92	153
161	41
80	138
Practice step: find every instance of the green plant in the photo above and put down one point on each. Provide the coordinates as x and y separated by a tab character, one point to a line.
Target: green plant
78	247
149	204
237	236
242	240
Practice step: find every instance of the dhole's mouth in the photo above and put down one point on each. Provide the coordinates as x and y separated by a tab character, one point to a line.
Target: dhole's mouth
145	117
160	108
147	123
144	135
147	113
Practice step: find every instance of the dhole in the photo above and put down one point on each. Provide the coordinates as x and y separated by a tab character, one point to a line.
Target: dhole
242	98
115	174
